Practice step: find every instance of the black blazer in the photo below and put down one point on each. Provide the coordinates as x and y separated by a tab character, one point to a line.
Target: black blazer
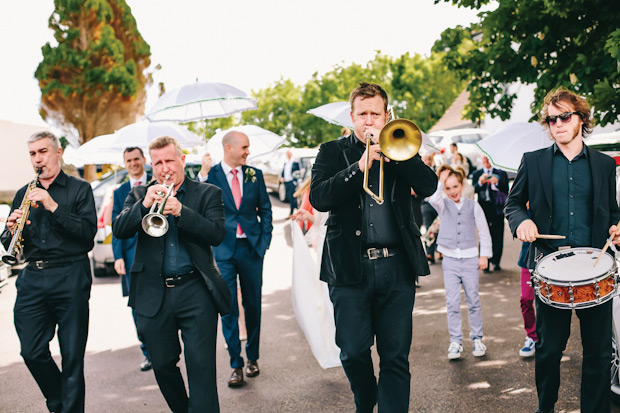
533	183
336	187
200	225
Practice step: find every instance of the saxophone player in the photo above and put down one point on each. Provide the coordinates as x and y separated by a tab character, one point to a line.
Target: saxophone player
53	289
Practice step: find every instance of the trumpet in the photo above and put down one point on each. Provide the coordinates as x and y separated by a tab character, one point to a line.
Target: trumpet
155	223
399	140
15	248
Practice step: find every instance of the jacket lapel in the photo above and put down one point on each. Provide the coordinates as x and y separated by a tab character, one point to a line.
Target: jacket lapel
545	167
223	183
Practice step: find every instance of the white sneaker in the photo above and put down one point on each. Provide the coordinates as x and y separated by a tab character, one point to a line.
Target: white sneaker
528	349
454	351
479	348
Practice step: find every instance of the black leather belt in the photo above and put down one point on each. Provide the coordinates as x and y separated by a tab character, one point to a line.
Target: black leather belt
175	280
55	262
375	253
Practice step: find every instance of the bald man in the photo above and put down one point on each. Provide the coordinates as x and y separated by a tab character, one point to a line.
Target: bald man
240	256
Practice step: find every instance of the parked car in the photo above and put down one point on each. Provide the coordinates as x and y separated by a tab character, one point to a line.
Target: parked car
5	269
272	164
102	255
465	139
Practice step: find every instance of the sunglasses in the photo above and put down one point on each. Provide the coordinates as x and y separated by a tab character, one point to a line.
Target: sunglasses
564	117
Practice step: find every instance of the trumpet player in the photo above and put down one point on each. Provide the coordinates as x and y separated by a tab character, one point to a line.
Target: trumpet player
372	253
175	284
53	289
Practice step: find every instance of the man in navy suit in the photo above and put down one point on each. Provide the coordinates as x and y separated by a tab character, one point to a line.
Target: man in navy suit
124	249
248	235
290	183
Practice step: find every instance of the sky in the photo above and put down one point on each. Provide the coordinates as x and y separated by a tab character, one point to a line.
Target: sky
247	43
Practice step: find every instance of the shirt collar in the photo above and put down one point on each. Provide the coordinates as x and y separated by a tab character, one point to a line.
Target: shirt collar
142	180
227	169
583	152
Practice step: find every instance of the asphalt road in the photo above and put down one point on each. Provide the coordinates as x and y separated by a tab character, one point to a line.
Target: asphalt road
291	380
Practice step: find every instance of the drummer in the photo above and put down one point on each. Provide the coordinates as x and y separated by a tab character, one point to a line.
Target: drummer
572	192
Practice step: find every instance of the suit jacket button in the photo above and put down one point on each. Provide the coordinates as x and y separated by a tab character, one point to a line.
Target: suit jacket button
346	179
358	232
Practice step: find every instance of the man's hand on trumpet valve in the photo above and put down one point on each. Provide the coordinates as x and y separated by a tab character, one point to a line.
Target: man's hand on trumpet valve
154	193
172	207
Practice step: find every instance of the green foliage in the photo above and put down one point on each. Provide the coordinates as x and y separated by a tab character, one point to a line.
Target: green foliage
421	89
93	81
544	42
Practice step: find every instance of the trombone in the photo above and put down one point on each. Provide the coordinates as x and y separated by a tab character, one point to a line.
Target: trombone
399	140
155	223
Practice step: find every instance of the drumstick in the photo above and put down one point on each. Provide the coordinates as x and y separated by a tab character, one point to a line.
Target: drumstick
550	236
609	240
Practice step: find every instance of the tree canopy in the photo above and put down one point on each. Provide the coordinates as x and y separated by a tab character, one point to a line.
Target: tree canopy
94	79
543	42
420	88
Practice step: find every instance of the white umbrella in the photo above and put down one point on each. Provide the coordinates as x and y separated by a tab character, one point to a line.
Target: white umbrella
339	113
506	147
94	154
262	141
198	101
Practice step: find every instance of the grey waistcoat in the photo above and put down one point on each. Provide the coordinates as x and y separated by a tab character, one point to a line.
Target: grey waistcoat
458	228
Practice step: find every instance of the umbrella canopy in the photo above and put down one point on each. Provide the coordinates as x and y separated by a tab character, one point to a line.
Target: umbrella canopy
109	148
198	101
506	147
339	113
262	141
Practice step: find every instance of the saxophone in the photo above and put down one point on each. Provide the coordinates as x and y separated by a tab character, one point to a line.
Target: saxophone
15	247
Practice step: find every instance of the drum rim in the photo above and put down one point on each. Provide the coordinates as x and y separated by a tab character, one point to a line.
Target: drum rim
577	250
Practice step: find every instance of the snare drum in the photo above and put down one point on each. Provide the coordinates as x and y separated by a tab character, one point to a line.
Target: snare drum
568	278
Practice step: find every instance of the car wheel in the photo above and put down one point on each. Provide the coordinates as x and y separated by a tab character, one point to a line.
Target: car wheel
98	272
282	192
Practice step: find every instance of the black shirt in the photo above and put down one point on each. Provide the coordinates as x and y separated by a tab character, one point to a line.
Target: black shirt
69	231
381	229
176	257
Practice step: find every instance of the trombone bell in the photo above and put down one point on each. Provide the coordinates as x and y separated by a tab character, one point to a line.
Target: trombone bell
399	140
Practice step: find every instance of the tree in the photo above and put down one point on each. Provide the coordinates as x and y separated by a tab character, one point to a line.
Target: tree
544	42
93	82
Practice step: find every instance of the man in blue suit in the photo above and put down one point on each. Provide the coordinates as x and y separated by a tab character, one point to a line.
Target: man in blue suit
248	234
124	249
290	183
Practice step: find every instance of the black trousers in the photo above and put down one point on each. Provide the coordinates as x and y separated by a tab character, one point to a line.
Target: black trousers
189	308
45	299
553	330
496	225
290	190
379	307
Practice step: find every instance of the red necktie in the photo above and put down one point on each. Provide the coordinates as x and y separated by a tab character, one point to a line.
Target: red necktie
236	191
137	183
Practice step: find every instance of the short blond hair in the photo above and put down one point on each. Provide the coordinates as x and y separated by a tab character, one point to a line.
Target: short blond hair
164	141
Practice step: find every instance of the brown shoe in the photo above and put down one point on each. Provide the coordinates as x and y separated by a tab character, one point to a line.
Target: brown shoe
252	369
236	378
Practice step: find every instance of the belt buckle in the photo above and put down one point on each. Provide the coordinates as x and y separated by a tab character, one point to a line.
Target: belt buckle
370	252
169	285
39	265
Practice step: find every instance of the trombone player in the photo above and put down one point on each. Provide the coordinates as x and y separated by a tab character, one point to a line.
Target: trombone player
53	290
372	253
175	284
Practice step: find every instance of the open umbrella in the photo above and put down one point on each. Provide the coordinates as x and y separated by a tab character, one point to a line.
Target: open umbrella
94	154
198	101
339	113
262	141
506	147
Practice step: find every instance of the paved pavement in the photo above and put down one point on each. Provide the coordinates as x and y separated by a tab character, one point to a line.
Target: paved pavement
291	380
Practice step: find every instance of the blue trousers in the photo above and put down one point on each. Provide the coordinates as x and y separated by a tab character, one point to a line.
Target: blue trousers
290	189
246	267
45	299
379	307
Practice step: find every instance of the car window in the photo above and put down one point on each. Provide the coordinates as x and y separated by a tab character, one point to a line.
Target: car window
606	147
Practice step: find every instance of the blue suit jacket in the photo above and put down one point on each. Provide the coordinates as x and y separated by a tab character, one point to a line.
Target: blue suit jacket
293	169
254	213
124	248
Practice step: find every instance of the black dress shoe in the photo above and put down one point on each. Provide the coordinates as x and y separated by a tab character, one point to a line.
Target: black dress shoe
146	365
252	369
236	378
487	270
497	268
